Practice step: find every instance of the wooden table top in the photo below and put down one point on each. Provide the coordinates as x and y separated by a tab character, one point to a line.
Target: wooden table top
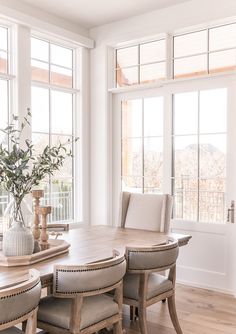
89	244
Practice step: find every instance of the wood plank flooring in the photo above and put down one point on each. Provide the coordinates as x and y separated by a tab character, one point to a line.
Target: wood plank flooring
200	312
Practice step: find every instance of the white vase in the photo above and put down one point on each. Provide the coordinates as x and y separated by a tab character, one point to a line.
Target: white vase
18	241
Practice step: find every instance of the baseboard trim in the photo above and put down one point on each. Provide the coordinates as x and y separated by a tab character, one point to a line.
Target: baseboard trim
200	278
205	287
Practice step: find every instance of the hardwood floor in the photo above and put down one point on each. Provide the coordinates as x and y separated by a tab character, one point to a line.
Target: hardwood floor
199	311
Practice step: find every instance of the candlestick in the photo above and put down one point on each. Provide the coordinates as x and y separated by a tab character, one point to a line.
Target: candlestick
37	194
44	211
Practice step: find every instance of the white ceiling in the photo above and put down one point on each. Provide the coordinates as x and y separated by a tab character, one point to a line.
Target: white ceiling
92	13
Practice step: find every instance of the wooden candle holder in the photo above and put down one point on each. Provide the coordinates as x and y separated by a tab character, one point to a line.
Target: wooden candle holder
37	194
44	211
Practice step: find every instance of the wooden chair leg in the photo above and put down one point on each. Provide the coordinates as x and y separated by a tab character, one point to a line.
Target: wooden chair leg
32	324
24	323
143	320
173	314
131	313
136	312
118	327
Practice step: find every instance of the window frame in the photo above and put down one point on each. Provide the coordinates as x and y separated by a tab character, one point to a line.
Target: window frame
20	97
75	93
139	64
207	53
175	87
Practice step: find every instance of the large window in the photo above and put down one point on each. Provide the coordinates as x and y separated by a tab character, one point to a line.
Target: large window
197	172
142	145
199	155
4	99
199	131
53	108
52	94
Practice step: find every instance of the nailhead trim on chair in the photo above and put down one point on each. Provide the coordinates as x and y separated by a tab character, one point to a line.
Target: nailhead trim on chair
17	294
167	247
22	315
81	291
92	269
84	270
133	251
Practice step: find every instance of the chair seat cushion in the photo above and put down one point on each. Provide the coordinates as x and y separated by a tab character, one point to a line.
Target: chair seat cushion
12	330
57	311
157	284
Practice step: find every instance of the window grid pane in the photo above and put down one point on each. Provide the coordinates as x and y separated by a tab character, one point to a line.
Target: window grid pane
223	37
205	52
190	67
59	188
199	170
52	120
190	44
142	145
222	61
51	63
142	63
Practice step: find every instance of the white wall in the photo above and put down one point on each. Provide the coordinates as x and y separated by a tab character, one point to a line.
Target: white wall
208	267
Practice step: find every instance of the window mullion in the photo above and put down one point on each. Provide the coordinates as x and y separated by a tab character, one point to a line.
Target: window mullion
169	57
50	142
208	51
139	64
198	160
143	162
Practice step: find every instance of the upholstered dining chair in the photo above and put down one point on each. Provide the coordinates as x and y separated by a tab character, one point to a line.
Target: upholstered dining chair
79	303
143	286
145	211
19	303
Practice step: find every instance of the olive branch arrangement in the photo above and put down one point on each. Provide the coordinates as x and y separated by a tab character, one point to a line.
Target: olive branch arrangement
20	169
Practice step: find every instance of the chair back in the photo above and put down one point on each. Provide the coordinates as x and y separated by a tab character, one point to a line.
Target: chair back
18	301
90	279
146	211
154	258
